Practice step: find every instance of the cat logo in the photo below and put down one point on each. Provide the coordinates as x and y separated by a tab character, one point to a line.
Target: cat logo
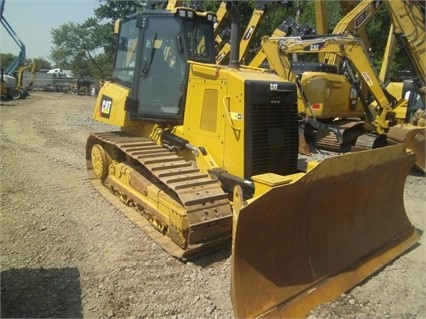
106	105
273	86
235	116
314	47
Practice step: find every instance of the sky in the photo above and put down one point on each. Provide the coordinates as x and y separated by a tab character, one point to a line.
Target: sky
32	21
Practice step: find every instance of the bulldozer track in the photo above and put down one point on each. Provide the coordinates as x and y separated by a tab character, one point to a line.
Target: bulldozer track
206	204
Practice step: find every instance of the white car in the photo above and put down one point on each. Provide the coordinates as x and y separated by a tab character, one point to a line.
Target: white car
56	72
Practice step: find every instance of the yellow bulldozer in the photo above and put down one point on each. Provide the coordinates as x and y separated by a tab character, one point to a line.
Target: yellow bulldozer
209	152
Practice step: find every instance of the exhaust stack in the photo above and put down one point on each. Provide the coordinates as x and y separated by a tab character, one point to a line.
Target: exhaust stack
234	60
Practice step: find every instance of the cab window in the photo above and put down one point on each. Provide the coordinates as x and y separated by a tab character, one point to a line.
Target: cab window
125	60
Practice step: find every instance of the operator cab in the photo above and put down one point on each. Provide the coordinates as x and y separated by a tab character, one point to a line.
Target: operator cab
151	59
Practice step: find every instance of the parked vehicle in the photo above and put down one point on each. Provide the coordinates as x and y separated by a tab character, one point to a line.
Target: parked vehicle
56	72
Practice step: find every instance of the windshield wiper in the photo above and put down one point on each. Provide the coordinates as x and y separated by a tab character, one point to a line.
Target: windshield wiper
148	63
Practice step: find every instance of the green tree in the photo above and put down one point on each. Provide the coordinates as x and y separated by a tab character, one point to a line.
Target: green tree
41	63
88	48
76	47
6	59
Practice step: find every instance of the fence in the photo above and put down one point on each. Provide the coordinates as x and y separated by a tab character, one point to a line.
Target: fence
51	83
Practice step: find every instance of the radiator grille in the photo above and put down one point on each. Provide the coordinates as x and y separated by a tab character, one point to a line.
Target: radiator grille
275	139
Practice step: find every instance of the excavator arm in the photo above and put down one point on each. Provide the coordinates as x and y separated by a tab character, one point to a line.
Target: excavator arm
22	54
255	20
346	47
259	12
171	4
379	116
407	27
287	28
221	14
408	19
354	22
387	58
260	57
32	67
19	91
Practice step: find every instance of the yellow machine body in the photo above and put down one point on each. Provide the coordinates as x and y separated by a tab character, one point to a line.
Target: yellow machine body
325	89
207	152
345	112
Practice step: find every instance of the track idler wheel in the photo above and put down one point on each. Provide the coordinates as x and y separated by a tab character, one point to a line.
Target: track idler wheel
18	93
100	161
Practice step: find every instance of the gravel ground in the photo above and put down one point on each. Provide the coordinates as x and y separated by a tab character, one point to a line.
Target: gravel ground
66	252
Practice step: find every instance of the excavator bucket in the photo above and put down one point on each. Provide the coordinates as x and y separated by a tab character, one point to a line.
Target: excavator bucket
414	138
306	242
304	148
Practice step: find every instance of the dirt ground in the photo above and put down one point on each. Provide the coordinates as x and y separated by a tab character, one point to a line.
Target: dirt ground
67	253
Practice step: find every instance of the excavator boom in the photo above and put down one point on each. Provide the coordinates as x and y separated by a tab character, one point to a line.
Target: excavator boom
354	22
408	19
10	86
22	53
345	46
258	14
379	118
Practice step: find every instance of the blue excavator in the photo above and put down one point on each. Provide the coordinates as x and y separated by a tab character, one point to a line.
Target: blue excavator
10	87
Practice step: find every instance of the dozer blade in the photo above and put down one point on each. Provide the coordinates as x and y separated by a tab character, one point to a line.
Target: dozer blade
305	243
414	139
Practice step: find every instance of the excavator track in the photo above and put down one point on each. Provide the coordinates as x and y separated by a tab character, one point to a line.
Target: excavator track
182	193
350	131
